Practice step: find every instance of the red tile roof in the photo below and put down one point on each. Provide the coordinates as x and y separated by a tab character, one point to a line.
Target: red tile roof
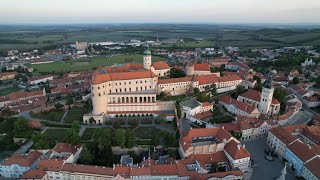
34	174
25	160
203	115
221	175
89	169
175	80
201	67
160	65
50	164
314	167
230	127
302	150
240	105
39	77
124	68
164	169
206	104
256	96
140	171
66	148
101	78
18	95
236	150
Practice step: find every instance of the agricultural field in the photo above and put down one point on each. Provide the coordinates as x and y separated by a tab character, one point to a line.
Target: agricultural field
90	63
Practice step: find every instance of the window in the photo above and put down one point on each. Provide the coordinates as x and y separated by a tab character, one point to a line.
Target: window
98	87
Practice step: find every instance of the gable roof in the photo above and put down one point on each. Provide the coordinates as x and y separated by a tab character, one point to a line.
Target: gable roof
34	174
101	78
236	150
50	164
66	148
256	96
313	167
89	169
160	65
25	160
201	67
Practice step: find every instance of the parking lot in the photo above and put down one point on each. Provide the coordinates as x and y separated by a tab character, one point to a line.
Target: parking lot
265	170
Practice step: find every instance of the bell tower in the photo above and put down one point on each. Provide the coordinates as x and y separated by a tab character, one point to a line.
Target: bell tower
266	96
147	59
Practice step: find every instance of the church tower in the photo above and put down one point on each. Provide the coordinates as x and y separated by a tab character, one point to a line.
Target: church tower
147	59
266	96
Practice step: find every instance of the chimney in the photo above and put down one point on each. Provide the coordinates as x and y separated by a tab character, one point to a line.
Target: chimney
244	146
222	127
238	146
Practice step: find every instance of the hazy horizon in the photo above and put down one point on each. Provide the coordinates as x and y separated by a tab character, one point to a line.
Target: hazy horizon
155	11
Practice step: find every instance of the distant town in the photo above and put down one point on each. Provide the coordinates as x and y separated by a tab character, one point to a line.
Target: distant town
160	108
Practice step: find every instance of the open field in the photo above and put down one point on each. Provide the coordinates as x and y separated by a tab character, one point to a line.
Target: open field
55	115
56	134
26	38
75	114
91	63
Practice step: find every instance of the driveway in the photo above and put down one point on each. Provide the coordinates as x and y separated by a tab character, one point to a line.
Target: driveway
265	170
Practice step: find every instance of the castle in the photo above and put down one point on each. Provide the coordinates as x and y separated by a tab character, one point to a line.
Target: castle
132	89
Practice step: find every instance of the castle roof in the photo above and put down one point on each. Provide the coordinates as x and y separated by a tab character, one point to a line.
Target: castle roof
102	77
160	65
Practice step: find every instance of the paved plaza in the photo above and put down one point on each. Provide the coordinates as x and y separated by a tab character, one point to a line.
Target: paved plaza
265	169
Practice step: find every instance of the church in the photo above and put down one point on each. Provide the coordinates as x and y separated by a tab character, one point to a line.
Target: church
131	89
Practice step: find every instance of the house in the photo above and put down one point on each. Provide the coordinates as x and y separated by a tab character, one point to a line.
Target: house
217	62
311	169
7	75
16	165
238	156
34	174
191	107
311	101
298	153
238	108
161	68
252	127
40	79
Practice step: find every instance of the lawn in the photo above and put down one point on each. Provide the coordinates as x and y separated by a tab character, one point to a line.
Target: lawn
6	91
91	63
74	115
146	132
55	115
87	134
56	134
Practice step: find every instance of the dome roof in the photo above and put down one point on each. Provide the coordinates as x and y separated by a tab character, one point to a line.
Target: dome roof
147	52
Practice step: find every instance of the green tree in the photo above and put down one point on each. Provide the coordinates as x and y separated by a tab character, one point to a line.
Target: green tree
130	134
257	78
73	137
102	138
239	90
20	125
58	105
86	157
75	125
40	141
91	120
196	90
295	80
120	137
258	87
176	73
203	97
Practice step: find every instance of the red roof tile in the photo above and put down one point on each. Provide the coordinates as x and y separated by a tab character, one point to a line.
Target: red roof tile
314	167
101	78
89	169
25	160
201	67
160	65
50	164
66	148
34	174
236	150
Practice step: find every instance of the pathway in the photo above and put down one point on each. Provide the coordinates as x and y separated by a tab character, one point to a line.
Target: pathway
64	115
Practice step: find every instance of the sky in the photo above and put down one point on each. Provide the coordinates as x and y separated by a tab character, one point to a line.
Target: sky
158	11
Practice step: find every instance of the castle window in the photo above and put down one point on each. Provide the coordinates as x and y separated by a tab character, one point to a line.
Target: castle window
99	94
98	87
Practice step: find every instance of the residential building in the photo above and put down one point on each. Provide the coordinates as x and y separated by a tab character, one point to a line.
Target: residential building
7	75
40	79
16	165
238	108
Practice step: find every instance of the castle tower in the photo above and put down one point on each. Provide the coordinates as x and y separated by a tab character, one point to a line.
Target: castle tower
147	59
189	69
266	96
